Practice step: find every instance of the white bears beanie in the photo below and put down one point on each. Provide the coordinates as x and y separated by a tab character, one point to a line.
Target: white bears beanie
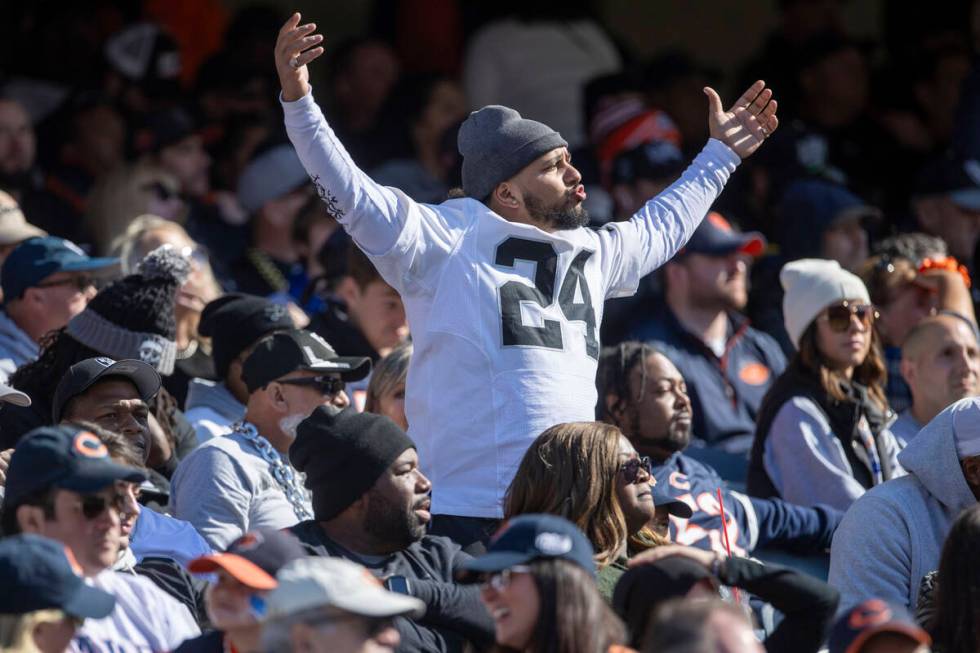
811	285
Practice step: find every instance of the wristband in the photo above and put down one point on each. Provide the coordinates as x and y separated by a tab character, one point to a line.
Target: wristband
946	263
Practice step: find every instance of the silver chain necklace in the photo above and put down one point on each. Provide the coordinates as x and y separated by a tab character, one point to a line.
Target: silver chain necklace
285	475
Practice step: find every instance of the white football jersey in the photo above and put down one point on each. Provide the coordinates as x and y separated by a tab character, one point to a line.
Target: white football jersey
504	316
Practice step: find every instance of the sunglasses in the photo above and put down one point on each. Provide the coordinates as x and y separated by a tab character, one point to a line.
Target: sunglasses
839	317
93	505
631	469
374	625
81	282
327	385
500	580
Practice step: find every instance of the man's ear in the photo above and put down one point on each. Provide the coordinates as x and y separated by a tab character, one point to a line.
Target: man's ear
615	408
277	397
348	290
507	195
30	519
908	371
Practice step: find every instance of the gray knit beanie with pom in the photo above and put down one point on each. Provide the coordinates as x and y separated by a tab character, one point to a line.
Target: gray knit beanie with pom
134	316
496	143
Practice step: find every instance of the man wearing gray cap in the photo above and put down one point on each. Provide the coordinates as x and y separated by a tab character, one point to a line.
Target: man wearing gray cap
504	288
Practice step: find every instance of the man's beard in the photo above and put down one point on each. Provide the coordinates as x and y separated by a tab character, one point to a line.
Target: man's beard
290	423
393	524
570	214
673	438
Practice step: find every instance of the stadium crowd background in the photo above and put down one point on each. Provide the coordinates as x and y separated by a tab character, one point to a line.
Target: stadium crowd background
726	379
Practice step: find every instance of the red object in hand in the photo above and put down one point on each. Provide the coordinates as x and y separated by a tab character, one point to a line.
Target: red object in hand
946	263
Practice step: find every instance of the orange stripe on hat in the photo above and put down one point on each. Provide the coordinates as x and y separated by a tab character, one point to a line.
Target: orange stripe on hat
245	572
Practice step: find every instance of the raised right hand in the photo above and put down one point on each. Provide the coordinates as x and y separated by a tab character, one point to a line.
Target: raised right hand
294	49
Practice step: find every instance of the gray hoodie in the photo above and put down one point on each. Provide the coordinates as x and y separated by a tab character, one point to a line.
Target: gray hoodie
16	347
893	535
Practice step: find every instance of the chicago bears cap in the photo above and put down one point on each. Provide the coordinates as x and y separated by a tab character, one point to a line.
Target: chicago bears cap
254	559
38	573
867	619
531	537
66	457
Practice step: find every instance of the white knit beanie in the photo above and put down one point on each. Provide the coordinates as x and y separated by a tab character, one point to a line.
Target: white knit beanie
811	285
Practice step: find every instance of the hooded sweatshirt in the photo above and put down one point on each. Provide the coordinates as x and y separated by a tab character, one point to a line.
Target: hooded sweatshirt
16	347
893	535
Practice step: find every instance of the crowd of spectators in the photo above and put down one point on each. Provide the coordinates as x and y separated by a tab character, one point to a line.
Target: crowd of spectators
508	339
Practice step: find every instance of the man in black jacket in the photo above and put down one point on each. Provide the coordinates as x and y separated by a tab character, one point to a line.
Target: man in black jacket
371	505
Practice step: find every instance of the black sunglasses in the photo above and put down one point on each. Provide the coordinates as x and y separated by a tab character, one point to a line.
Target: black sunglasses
81	282
93	505
327	385
839	317
631	469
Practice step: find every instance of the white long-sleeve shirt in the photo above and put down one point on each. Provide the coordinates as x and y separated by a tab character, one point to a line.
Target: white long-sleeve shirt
504	316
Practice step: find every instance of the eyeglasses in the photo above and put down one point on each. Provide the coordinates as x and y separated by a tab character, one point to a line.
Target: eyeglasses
631	469
93	505
327	385
374	625
500	580
839	317
81	282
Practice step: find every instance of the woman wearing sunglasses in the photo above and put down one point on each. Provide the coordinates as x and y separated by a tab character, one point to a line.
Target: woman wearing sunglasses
822	433
589	473
536	581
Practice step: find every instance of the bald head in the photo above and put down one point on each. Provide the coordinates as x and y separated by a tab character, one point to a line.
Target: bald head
941	364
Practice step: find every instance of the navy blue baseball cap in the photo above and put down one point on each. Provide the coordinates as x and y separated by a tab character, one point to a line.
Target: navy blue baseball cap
38	573
956	177
673	505
38	258
66	457
715	236
527	538
254	559
872	617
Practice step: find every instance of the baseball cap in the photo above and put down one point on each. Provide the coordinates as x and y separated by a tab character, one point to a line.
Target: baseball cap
14	227
654	160
531	537
867	619
66	457
297	349
336	583
38	573
674	506
83	375
37	258
715	236
271	174
254	559
956	177
235	320
162	129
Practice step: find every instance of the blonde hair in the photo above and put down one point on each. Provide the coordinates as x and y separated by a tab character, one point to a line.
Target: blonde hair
120	197
17	630
390	372
571	470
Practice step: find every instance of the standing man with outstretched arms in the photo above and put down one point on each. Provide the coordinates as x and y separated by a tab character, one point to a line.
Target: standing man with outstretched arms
504	288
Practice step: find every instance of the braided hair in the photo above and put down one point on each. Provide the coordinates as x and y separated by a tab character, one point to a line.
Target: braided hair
59	351
613	378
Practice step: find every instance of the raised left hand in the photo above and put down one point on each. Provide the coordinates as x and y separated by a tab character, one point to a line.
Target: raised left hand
748	123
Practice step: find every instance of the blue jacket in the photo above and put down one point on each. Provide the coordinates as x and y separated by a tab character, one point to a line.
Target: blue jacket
725	392
752	523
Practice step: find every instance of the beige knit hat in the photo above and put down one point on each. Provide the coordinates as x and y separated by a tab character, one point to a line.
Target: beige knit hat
811	285
14	228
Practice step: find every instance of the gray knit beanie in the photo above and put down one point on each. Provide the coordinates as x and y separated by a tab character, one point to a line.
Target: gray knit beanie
496	143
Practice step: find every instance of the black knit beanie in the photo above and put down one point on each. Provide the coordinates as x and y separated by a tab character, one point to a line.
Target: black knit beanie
343	454
236	321
134	316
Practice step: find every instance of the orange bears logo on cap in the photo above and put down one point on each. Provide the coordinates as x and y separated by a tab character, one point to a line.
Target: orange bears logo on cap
90	446
73	562
718	221
870	613
754	373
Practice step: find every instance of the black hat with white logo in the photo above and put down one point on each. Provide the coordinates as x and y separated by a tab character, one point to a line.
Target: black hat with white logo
288	351
83	375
